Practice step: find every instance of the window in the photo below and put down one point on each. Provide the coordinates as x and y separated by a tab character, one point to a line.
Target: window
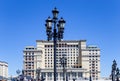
49	74
61	74
79	74
74	74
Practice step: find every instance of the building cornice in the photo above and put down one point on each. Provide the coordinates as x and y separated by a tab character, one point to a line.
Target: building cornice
45	41
3	62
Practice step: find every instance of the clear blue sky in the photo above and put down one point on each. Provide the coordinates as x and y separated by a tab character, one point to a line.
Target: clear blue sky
22	23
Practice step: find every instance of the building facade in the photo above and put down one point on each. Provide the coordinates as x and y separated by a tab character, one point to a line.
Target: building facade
3	70
82	61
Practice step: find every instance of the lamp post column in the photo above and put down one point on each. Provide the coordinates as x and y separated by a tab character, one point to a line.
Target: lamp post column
113	70
90	78
38	71
63	72
55	42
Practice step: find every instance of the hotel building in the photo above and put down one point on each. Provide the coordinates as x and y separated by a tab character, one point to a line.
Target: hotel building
3	70
82	60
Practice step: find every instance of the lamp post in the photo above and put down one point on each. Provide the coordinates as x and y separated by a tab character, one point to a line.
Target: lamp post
42	78
18	73
71	74
22	76
73	79
90	78
117	74
113	70
63	61
56	34
38	74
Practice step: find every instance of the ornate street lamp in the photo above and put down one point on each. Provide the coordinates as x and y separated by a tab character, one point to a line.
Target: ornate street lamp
42	78
71	74
90	78
38	74
18	73
63	61
56	34
117	74
114	65
74	79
